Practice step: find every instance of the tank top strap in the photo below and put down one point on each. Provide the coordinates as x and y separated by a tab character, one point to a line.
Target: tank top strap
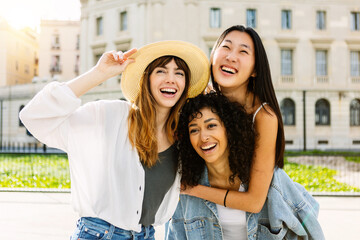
257	110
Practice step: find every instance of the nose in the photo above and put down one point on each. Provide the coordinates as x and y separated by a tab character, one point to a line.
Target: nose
170	78
231	57
204	136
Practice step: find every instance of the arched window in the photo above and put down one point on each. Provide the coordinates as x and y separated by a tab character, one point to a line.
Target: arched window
322	112
20	122
355	112
287	107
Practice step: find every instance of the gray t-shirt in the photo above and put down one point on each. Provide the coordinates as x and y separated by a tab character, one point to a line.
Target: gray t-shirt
158	180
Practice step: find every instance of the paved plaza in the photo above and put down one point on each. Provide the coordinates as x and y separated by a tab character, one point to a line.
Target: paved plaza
49	216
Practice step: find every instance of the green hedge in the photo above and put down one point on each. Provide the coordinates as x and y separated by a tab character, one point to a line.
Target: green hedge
52	171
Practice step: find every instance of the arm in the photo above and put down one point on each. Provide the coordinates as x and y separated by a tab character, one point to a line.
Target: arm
109	65
261	172
46	115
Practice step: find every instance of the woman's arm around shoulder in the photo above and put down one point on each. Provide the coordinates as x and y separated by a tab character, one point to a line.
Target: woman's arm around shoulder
266	125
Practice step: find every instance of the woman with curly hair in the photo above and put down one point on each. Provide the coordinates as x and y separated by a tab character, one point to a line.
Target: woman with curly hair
216	141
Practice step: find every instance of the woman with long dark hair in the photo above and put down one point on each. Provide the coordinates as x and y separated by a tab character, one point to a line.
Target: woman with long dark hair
240	71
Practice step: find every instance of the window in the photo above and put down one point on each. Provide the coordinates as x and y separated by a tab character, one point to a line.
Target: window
355	21
215	18
321	63
99	26
251	18
26	69
355	112
287	107
322	112
320	20
78	42
286	62
55	64
355	63
123	21
77	63
55	42
286	19
20	122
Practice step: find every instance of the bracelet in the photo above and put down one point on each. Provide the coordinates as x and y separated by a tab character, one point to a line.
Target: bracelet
225	197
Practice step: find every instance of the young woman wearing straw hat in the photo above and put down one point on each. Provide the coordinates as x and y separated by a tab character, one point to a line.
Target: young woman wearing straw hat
123	163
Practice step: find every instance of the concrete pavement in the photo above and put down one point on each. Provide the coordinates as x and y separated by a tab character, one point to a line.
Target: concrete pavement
49	216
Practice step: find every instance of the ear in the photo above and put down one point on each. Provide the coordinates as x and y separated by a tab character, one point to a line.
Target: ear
253	74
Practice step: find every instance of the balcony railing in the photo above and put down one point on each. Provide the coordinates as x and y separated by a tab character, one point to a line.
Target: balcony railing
55	46
55	69
287	79
322	79
355	80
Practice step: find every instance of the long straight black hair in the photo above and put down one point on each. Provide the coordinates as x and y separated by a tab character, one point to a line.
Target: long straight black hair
260	85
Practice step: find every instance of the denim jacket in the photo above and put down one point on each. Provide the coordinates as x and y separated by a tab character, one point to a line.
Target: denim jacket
288	213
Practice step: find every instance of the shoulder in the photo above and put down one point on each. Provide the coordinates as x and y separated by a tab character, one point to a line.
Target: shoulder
266	117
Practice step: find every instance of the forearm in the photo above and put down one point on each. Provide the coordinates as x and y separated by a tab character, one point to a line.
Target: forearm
86	81
245	201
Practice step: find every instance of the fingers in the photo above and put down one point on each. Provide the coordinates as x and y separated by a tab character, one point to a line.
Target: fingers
121	57
127	54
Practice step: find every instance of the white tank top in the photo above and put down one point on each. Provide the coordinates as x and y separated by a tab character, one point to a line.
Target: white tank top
257	110
233	221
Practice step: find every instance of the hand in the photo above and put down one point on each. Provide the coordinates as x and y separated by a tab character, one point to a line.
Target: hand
114	63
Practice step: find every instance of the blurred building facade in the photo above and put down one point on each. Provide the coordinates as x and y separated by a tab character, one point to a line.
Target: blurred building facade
18	55
313	49
59	54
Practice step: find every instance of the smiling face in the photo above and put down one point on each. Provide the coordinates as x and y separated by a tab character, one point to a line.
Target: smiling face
233	61
208	137
167	84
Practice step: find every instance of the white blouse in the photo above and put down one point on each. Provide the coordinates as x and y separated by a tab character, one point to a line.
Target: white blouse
107	178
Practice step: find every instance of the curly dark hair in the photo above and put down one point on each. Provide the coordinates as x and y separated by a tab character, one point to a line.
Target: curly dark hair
239	130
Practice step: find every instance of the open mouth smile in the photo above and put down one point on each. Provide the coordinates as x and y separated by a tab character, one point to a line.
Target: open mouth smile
208	148
168	91
228	70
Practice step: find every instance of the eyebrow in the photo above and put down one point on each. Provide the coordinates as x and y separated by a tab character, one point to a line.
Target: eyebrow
243	45
206	121
210	119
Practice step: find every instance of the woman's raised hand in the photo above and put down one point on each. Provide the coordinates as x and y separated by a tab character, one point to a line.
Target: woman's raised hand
114	63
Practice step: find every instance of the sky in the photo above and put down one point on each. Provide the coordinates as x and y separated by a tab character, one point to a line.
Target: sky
23	13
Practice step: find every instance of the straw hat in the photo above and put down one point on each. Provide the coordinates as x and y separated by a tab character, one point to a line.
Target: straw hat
194	57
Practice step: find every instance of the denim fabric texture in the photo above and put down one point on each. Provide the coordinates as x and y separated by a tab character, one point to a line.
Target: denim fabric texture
289	212
96	229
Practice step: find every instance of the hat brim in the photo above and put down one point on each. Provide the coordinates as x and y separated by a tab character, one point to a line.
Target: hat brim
194	57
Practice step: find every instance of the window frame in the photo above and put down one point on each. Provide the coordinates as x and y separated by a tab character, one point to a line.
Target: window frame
355	113
286	19
288	109
253	23
321	20
322	108
215	17
289	62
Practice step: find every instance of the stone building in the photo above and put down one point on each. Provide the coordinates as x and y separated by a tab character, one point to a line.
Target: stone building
59	54
313	47
18	55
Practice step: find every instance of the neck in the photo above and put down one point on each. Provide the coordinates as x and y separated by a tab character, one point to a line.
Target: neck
240	95
219	174
161	118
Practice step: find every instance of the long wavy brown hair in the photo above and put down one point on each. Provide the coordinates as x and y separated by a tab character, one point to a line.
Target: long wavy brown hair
141	120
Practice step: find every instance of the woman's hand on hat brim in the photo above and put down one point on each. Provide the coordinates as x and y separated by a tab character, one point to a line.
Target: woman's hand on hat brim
113	63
